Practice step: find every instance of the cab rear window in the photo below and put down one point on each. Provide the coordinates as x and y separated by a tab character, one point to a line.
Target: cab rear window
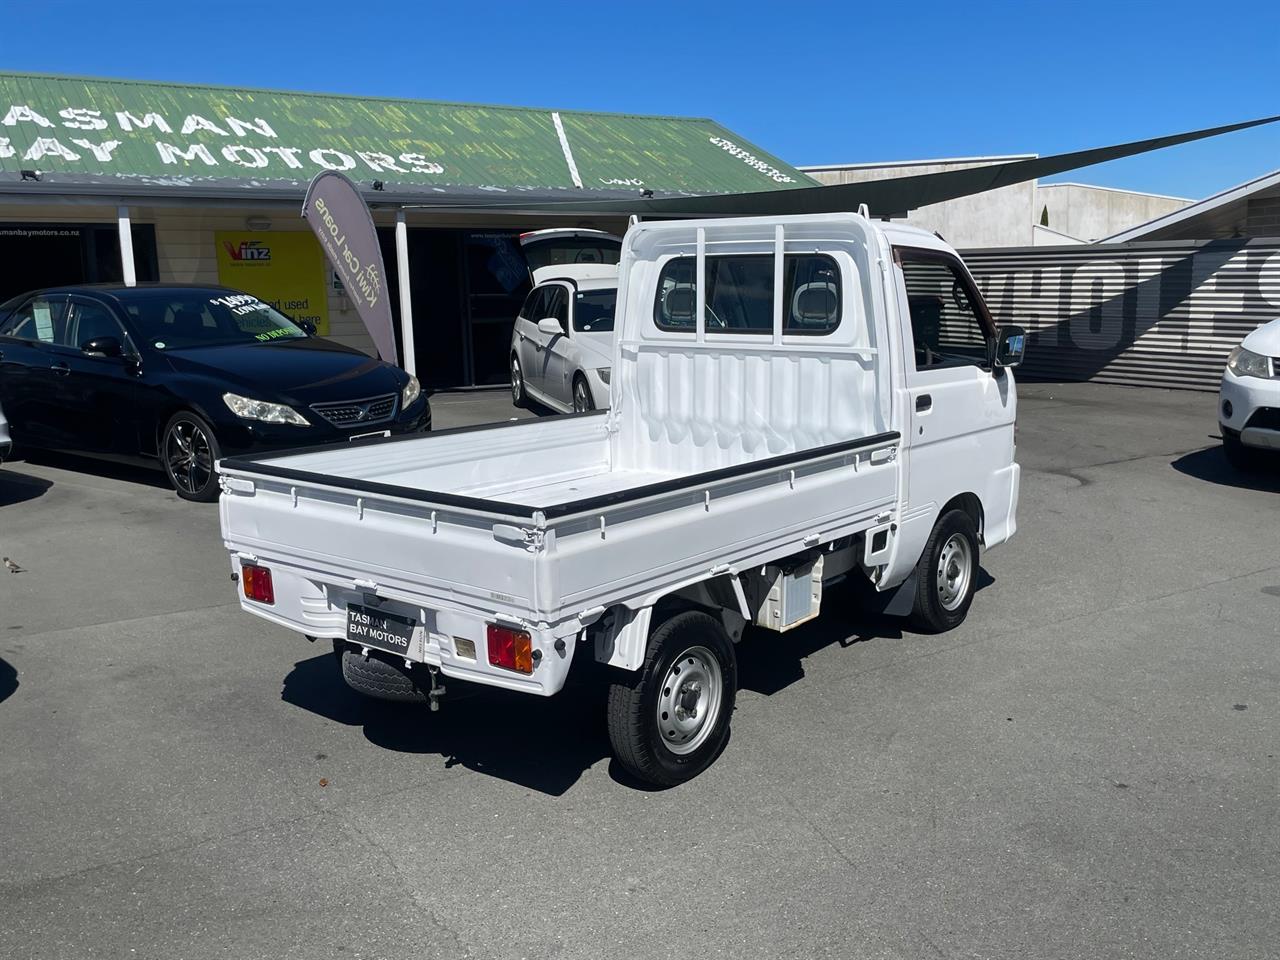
739	295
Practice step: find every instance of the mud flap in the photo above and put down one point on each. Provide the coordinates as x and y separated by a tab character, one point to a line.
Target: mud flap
899	601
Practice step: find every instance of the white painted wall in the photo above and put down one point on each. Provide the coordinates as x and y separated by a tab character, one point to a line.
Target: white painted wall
1091	213
1010	216
998	218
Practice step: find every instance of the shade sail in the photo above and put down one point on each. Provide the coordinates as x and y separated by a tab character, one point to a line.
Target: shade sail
885	198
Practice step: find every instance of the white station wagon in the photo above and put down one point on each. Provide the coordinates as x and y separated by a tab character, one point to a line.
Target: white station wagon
562	342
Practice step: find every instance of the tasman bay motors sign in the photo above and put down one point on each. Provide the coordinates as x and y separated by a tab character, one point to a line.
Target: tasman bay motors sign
169	135
251	143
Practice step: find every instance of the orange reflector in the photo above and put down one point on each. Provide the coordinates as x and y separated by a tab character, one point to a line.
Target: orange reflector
510	649
257	583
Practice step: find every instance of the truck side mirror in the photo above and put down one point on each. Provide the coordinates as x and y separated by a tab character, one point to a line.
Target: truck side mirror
102	347
550	326
1011	344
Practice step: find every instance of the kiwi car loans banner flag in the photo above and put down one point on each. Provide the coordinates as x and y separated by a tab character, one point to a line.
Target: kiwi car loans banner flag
342	222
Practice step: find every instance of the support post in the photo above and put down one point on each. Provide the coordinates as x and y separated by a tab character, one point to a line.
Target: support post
409	361
126	247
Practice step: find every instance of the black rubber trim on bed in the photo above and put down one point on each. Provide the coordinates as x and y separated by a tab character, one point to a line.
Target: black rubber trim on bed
242	461
503	508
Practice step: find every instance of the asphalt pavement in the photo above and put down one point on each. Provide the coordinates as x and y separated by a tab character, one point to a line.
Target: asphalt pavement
1086	768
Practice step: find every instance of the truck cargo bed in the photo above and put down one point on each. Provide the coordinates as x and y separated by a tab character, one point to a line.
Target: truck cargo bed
337	525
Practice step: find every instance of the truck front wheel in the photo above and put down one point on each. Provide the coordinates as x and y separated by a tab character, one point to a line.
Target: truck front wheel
947	574
669	721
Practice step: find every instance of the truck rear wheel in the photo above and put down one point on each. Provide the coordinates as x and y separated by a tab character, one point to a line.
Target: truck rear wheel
946	574
669	721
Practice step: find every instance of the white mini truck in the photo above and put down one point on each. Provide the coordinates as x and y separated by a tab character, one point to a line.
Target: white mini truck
796	402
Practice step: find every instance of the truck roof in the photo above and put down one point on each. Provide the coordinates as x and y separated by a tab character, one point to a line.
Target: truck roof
906	235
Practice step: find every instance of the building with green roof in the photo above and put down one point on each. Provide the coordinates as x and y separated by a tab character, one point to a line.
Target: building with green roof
188	174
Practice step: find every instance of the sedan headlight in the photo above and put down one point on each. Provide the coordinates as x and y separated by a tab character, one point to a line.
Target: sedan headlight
1246	363
603	373
412	390
248	409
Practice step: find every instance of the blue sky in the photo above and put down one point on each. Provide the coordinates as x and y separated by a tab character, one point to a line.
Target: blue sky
813	83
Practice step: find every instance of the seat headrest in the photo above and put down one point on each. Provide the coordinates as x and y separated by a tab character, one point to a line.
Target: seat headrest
925	303
678	306
815	305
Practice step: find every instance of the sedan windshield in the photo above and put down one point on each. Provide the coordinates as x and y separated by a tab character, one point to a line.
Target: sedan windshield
174	319
593	310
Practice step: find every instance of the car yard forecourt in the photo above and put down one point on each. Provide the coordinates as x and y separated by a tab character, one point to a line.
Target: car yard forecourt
795	401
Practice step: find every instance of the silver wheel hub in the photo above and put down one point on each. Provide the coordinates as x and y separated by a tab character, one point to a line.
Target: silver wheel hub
689	702
515	379
189	456
955	571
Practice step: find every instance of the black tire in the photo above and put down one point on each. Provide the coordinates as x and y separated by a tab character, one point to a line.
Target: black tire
942	602
583	402
1242	458
635	728
519	396
378	678
197	480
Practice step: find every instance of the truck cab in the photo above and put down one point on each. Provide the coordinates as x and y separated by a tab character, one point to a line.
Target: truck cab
798	405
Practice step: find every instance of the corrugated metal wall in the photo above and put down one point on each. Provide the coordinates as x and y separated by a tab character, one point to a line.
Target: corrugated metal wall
1144	314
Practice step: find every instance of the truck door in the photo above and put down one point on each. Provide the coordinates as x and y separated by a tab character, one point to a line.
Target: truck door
961	407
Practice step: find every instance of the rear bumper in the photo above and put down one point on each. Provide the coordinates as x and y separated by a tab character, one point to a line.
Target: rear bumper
317	607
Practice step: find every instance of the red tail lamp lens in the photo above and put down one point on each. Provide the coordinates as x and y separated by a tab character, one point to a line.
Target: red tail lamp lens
510	649
257	583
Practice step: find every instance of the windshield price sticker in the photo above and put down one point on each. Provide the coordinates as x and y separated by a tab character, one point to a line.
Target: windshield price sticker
239	303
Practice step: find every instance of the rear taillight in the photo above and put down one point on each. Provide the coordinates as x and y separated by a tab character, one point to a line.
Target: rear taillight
510	649
257	583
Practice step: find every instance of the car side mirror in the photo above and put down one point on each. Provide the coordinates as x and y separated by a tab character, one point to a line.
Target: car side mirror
308	326
102	347
1011	345
550	326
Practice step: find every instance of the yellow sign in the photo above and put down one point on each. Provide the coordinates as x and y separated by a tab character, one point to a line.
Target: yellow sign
286	270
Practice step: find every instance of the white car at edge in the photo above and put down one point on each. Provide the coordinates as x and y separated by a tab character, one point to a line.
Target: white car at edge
1249	398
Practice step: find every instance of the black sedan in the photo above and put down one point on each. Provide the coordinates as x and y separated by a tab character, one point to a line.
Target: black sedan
178	376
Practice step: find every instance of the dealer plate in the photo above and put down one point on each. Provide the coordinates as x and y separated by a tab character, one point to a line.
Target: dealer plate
379	630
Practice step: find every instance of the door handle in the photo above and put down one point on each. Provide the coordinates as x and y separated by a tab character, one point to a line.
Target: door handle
924	403
61	369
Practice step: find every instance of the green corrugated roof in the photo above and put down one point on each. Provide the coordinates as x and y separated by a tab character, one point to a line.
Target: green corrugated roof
94	131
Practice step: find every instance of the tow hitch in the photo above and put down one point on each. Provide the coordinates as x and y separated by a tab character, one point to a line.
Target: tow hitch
436	693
